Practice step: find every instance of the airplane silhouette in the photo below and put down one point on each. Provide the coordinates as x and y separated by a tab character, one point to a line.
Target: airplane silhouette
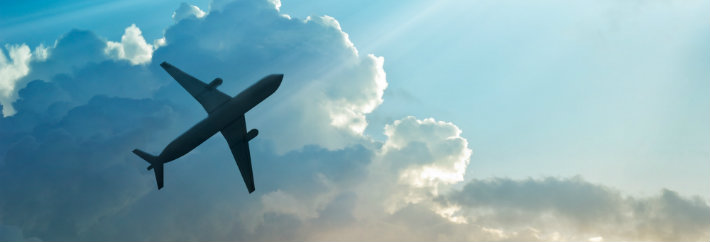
224	114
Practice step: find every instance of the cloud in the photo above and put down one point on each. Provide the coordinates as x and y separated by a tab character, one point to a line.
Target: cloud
77	170
81	109
13	69
581	209
324	71
68	174
73	50
328	87
419	159
132	47
12	233
187	11
446	153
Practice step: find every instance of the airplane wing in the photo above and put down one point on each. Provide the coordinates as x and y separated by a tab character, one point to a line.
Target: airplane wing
235	134
207	95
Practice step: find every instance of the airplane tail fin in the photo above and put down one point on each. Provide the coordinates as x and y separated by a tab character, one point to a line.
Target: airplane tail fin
155	164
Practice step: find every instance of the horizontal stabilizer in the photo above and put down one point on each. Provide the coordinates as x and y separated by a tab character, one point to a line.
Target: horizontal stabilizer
155	164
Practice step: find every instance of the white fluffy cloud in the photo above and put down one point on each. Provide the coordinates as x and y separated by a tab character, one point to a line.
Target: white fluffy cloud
419	160
328	86
187	11
448	151
11	70
15	68
132	47
18	70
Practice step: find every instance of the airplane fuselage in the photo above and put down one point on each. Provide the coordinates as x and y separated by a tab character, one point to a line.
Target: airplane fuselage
222	117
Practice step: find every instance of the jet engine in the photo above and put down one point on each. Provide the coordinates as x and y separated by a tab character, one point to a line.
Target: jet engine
216	82
251	134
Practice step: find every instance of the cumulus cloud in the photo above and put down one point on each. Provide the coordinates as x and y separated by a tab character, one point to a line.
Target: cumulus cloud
71	134
73	50
132	47
187	11
15	68
328	87
419	159
447	152
82	174
574	209
68	174
502	209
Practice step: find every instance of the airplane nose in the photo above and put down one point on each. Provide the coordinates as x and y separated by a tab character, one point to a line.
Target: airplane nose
277	78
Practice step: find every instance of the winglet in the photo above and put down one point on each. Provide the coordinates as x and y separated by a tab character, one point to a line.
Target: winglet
251	187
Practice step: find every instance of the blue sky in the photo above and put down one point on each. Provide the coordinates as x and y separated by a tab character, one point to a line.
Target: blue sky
608	90
501	120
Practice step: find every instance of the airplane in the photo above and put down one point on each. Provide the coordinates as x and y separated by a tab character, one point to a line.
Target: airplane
224	114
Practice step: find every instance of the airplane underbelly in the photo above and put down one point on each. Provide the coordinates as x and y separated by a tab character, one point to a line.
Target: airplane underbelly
189	140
